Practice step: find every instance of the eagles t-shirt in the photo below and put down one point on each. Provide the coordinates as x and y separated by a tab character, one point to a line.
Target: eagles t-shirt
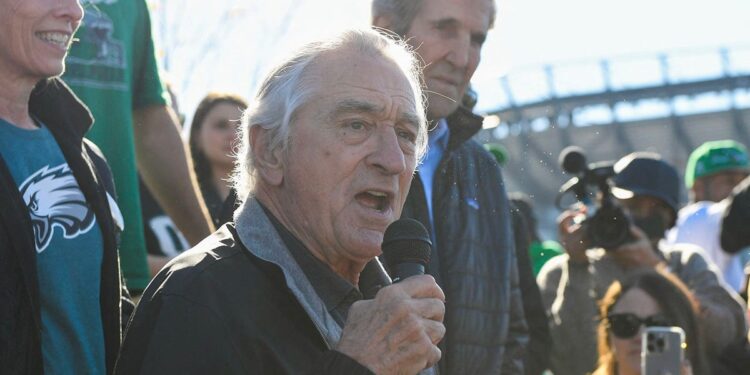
69	251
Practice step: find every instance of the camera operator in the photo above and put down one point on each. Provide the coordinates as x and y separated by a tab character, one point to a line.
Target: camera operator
647	191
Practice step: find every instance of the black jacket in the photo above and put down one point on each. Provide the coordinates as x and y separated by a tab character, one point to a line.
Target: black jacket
473	259
20	316
237	303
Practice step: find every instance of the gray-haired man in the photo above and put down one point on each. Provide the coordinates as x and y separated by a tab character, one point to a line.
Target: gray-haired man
329	149
459	193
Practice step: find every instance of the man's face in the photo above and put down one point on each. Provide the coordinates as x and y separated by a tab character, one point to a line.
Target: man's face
650	214
717	186
351	157
448	35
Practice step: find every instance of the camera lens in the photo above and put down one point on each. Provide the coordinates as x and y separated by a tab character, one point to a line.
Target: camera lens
660	343
609	227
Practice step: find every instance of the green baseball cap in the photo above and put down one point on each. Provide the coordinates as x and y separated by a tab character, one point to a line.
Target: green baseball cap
714	157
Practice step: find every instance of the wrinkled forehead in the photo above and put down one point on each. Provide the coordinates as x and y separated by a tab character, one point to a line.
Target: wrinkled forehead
347	75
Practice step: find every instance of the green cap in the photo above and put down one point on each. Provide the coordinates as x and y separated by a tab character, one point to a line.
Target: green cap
714	157
498	151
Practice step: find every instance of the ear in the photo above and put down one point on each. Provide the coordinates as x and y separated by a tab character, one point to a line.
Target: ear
268	164
383	22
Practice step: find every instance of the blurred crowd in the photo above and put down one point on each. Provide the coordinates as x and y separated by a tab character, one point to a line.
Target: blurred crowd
285	199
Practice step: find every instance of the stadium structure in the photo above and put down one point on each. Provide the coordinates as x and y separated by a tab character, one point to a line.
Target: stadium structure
668	103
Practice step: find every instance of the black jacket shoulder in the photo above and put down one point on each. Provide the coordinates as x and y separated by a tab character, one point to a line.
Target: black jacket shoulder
219	309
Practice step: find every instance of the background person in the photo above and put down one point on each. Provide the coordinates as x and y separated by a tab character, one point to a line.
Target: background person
458	192
113	69
647	298
213	141
60	292
648	191
712	171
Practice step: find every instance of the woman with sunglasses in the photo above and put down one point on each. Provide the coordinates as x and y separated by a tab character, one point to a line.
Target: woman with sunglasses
648	298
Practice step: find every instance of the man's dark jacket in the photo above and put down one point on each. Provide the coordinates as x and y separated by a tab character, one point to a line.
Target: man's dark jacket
237	303
20	314
473	259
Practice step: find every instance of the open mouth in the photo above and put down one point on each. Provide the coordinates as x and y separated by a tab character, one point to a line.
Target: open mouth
376	200
61	40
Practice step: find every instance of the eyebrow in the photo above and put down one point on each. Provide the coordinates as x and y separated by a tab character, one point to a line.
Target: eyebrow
479	37
358	106
448	21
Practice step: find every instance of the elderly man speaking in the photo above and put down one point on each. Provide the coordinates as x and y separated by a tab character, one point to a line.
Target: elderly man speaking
329	149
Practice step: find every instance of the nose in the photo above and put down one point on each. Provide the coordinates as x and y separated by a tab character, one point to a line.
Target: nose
387	156
72	10
460	48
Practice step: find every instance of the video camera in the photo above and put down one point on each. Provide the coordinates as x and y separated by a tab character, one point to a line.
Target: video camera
606	225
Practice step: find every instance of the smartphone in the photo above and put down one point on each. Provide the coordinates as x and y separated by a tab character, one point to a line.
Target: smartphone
662	350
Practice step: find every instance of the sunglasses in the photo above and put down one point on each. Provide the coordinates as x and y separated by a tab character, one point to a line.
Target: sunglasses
626	325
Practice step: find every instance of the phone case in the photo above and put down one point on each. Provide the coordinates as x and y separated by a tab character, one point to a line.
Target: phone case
662	350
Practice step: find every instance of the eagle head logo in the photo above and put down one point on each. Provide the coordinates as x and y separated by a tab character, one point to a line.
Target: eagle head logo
54	200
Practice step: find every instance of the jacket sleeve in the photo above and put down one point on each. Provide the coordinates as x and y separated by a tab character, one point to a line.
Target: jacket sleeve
567	292
721	310
334	362
518	333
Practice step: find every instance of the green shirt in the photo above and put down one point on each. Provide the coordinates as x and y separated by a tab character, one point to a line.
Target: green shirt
113	69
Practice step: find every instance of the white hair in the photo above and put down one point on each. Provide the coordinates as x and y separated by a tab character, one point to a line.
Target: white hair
286	88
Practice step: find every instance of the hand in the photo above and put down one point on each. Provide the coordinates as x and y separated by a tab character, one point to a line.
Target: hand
398	331
573	235
638	253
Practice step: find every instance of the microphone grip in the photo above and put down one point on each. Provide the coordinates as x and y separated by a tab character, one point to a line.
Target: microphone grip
408	269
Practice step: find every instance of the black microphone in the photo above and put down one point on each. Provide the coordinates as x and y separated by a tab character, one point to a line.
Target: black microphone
572	160
406	249
372	278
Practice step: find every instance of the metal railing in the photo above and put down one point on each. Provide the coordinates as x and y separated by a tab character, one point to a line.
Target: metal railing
618	89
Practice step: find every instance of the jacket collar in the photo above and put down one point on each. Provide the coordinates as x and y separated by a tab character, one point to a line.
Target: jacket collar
463	125
52	97
260	238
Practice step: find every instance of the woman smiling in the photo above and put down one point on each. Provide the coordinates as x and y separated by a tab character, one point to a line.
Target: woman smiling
59	277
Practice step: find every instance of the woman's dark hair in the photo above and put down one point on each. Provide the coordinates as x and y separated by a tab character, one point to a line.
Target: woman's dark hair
201	164
677	304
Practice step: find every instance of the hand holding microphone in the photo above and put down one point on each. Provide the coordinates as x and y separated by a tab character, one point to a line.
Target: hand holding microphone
397	332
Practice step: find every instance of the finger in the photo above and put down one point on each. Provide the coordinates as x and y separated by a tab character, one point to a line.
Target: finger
429	308
565	219
434	330
433	356
421	286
